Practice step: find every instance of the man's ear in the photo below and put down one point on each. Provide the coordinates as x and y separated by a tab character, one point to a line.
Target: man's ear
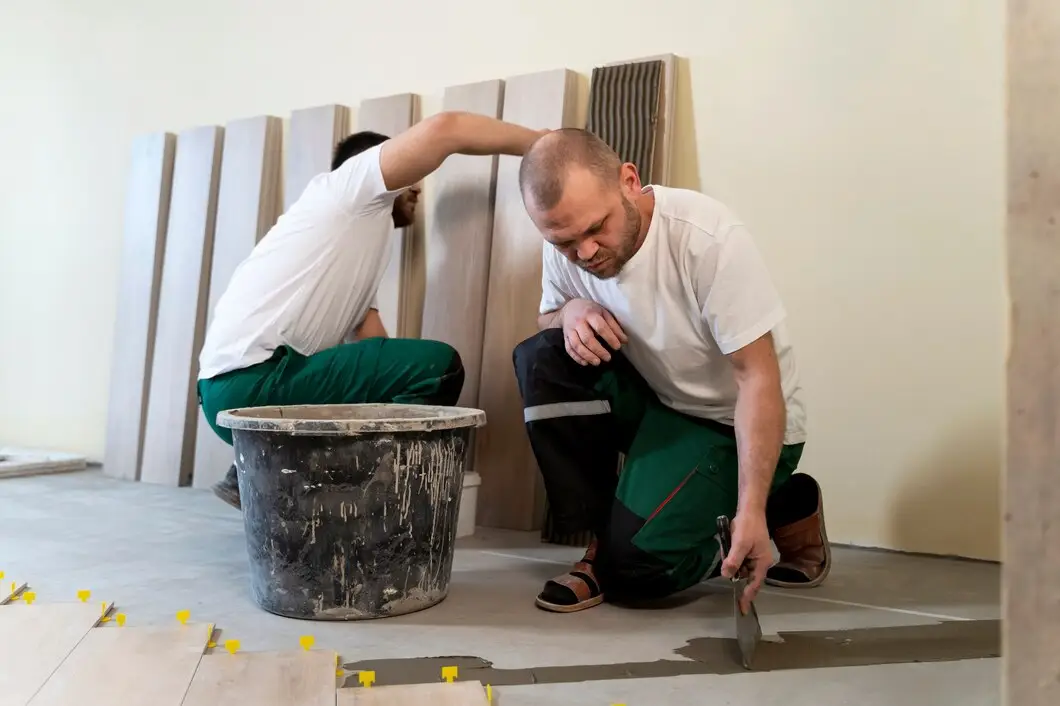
629	177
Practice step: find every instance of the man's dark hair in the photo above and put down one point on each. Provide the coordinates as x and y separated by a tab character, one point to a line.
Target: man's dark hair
543	171
355	144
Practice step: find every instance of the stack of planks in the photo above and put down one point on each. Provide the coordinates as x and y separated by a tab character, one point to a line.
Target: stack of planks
62	654
169	431
197	203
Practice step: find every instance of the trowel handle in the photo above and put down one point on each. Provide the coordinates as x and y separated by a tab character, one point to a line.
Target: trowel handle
724	535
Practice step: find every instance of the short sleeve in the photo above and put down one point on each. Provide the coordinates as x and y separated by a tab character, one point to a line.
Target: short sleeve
358	183
553	293
739	302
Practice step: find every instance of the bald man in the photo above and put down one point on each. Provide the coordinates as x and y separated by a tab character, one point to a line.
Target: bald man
663	339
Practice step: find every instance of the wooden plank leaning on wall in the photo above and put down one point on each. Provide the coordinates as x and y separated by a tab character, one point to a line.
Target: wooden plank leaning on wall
1031	569
172	405
311	139
143	245
248	203
512	495
400	295
459	242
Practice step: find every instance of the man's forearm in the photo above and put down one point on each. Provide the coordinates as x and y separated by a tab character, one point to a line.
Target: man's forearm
475	134
760	422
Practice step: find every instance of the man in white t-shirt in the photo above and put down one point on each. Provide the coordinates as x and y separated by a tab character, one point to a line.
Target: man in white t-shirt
278	331
662	339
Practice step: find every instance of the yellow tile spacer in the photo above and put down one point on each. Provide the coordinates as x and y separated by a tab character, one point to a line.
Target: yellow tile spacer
103	617
450	674
306	641
83	595
489	693
1	575
120	619
232	646
366	678
182	616
29	597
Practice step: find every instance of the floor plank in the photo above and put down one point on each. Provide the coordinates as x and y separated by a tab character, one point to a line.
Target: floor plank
264	679
462	693
34	641
311	140
127	666
397	295
247	206
172	404
143	244
511	494
459	242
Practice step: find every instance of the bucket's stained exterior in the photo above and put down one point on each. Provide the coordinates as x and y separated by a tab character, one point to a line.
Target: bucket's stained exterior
350	520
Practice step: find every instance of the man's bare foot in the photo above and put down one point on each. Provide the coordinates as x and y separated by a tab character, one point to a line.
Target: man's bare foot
575	590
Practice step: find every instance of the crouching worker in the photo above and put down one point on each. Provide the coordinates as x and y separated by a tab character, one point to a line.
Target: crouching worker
278	331
663	339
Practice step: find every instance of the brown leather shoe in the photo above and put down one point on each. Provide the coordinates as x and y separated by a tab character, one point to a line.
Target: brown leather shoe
805	555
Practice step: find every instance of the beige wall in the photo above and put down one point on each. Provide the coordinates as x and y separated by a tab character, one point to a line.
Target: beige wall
862	141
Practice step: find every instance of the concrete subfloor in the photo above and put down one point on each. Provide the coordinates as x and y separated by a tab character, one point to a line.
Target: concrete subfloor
156	550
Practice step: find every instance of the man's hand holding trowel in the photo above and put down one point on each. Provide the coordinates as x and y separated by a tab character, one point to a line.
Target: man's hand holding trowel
750	555
748	629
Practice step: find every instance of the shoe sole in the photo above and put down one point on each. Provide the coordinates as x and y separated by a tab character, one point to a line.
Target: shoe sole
557	608
228	497
827	562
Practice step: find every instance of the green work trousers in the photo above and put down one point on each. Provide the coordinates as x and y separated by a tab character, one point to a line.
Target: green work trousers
399	370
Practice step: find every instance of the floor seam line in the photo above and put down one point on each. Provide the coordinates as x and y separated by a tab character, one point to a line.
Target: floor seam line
782	594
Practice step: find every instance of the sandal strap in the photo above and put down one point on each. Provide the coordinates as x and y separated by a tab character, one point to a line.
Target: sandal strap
580	582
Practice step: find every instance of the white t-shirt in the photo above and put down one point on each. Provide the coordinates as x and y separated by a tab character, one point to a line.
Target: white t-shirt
696	291
314	275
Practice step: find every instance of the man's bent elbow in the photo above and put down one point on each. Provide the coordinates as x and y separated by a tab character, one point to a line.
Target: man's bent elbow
445	130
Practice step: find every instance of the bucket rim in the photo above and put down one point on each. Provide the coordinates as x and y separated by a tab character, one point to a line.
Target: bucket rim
310	420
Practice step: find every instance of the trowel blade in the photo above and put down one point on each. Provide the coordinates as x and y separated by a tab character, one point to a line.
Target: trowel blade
748	628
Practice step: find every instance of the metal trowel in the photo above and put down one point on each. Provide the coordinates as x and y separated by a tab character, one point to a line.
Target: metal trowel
748	629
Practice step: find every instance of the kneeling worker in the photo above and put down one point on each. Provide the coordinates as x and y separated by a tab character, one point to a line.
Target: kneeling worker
278	331
662	338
